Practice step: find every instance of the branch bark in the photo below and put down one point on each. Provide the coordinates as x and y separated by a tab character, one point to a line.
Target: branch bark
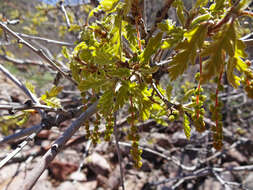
34	175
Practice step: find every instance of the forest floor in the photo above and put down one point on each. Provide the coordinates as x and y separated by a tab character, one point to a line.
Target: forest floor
170	161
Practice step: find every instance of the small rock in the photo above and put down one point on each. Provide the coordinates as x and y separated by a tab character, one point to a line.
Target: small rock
114	179
211	184
235	154
67	185
90	185
161	140
78	176
60	170
98	164
248	182
179	139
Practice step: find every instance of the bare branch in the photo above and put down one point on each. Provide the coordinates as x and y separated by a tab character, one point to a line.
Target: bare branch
22	62
20	107
34	175
59	119
37	51
235	168
168	103
46	40
248	42
198	173
115	131
19	148
50	56
20	134
168	158
20	85
219	178
65	13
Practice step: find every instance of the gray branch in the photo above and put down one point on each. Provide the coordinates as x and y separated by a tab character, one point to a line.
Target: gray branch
34	175
39	52
46	40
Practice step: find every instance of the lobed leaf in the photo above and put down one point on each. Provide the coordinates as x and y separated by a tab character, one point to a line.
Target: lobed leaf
153	45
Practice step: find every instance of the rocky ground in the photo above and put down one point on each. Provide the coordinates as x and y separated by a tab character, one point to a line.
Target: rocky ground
170	161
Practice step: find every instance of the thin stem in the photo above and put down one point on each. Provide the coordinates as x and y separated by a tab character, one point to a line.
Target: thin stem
20	134
25	107
19	148
115	131
21	86
46	40
169	104
199	84
23	62
65	13
246	13
138	33
39	52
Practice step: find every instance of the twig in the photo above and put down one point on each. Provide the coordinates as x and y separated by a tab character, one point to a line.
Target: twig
168	103
159	17
20	107
87	147
22	62
19	148
173	159
21	86
235	168
248	42
37	51
46	40
115	131
50	56
219	178
59	119
198	173
65	13
220	153
20	134
34	175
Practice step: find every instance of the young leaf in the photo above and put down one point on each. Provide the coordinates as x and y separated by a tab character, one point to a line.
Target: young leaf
224	43
188	50
30	87
200	18
90	83
200	3
50	97
174	34
153	44
65	52
108	5
55	91
24	119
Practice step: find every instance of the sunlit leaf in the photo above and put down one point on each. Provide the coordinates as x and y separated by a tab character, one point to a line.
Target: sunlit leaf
108	5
